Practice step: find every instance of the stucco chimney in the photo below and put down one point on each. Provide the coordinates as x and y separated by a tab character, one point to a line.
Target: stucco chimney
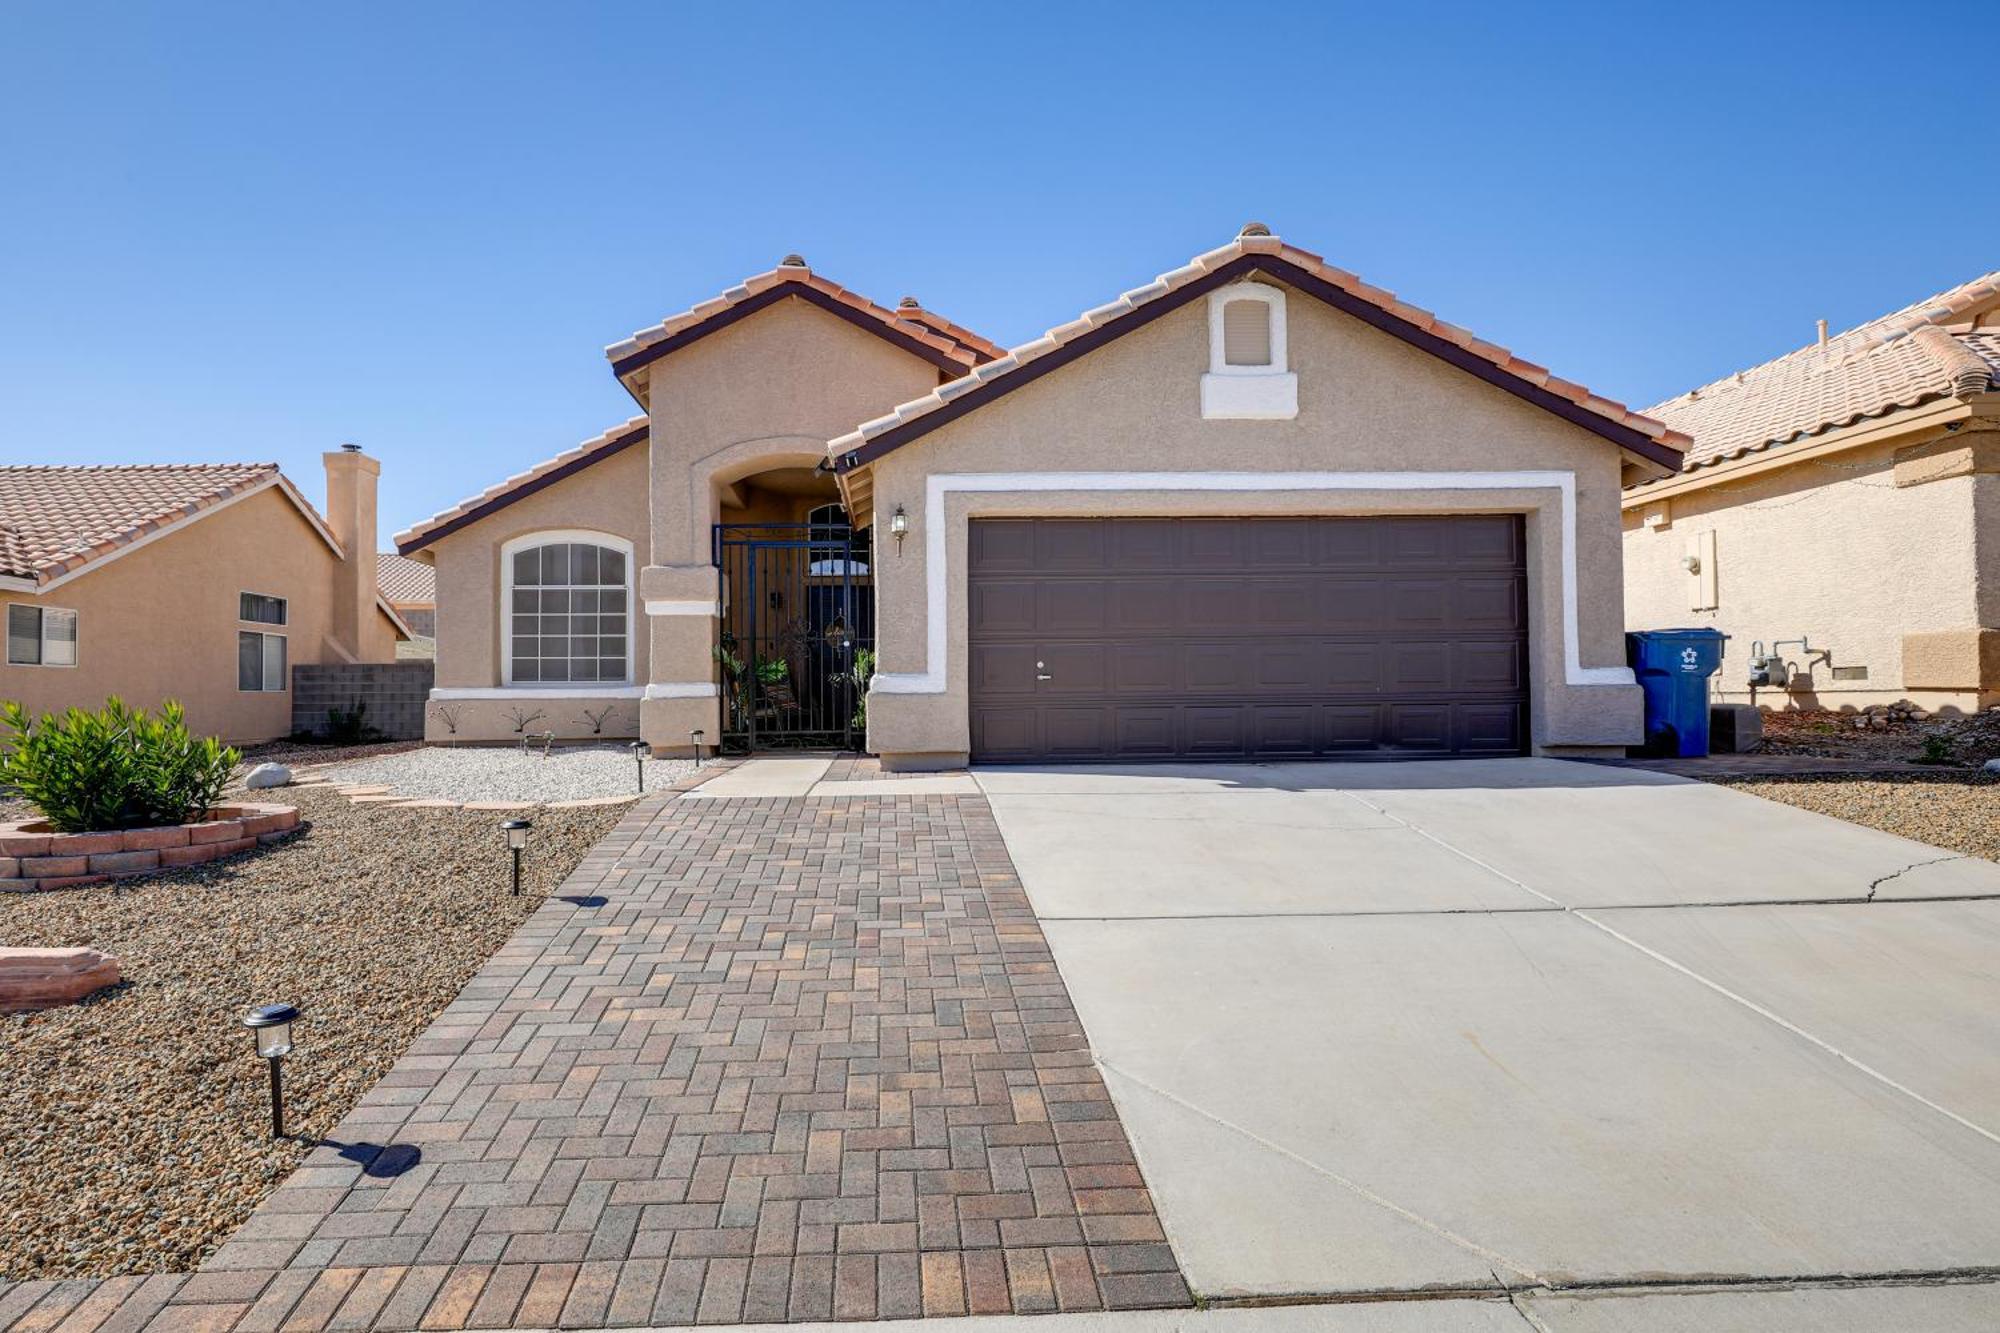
351	477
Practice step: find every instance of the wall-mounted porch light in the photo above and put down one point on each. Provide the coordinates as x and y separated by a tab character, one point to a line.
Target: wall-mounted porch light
517	841
899	527
271	1029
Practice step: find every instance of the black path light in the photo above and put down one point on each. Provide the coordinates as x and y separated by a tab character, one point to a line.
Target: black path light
271	1028
517	840
639	759
694	741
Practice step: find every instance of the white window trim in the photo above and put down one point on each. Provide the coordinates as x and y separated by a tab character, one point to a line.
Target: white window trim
284	608
936	675
263	666
1249	393
578	688
43	636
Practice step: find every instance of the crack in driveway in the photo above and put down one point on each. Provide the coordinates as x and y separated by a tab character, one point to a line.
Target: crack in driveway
1914	865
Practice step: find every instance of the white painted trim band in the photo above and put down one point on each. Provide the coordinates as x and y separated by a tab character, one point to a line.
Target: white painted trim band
689	607
932	680
691	689
552	690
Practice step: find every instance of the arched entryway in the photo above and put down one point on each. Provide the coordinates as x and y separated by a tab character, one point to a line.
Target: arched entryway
795	635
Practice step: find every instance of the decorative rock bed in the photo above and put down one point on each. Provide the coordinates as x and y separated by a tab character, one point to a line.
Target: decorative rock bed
35	856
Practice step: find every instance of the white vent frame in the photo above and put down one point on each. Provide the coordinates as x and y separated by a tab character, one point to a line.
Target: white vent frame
1249	393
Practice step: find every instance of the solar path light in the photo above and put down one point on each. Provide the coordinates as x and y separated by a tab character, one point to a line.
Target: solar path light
694	742
517	841
271	1029
639	760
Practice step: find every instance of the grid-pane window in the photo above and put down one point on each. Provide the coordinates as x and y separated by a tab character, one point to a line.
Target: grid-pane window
40	636
258	609
260	662
568	603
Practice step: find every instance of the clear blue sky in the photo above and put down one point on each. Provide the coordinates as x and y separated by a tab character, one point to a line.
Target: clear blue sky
252	232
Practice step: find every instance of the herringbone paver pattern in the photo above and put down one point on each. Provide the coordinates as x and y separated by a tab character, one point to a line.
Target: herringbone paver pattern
763	1060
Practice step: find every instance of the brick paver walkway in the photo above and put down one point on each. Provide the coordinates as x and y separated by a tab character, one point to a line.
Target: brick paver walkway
763	1060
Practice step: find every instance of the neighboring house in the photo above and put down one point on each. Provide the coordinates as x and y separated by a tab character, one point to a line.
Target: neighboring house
1253	508
410	587
203	583
1846	495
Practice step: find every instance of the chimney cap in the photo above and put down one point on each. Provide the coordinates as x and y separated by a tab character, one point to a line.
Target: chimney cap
909	303
794	260
1254	229
350	448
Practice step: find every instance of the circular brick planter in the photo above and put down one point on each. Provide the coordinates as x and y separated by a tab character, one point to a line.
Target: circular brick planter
34	856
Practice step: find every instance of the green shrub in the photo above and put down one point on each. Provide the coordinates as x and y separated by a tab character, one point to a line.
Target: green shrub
113	768
349	726
864	671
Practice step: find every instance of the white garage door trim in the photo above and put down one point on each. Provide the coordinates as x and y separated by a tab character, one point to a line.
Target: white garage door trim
931	680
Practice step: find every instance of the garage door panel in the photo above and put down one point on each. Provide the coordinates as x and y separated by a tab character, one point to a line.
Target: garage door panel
1351	668
1074	606
1222	638
1003	607
1074	668
1003	733
1000	670
1070	544
1490	728
1490	602
1145	606
1147	668
1076	732
1146	733
997	545
1496	667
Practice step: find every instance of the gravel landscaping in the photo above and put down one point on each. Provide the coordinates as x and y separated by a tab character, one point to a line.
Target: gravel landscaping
134	1127
475	773
1955	810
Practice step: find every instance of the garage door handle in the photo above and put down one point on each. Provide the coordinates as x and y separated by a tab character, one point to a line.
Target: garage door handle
1040	676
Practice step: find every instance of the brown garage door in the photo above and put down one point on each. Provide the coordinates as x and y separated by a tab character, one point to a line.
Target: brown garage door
1138	639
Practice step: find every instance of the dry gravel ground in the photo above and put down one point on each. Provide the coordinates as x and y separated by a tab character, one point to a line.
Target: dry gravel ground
506	773
1952	809
1968	741
134	1128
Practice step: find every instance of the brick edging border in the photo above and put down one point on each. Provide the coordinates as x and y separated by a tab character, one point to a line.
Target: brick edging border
34	857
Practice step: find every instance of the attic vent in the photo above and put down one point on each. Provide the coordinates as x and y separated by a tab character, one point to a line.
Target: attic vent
1246	333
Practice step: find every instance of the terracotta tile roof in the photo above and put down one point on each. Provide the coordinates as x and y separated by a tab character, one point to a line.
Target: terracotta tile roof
1923	352
57	519
405	582
931	335
521	484
1248	247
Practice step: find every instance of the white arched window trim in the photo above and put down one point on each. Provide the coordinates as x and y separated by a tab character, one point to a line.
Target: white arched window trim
1252	393
608	540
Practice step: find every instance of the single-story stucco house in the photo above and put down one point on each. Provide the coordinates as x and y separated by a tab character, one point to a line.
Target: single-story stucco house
203	583
1256	507
1839	510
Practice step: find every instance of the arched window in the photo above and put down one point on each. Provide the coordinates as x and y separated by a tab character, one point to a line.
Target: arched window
566	609
1248	372
834	550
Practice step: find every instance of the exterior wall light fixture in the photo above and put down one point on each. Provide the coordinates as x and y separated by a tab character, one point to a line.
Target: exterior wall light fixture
899	527
517	841
271	1029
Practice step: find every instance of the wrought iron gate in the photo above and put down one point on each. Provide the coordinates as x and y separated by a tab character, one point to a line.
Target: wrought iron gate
797	633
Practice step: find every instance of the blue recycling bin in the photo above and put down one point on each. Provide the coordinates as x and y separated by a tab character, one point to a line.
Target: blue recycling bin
1673	667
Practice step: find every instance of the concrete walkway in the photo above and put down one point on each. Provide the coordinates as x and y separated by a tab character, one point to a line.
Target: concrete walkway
1521	1024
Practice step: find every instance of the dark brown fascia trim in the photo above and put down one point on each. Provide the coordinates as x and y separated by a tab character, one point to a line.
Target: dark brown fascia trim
1625	437
634	436
722	319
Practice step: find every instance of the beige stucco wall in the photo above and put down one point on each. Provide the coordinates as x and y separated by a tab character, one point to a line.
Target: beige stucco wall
766	392
607	497
1898	579
160	622
1367	403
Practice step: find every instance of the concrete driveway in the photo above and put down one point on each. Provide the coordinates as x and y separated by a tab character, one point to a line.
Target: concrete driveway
1382	1028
